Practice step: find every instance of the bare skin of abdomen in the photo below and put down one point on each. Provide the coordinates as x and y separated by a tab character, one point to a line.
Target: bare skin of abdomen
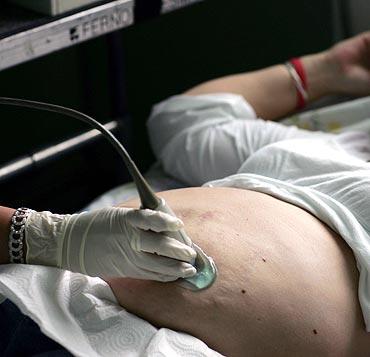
287	284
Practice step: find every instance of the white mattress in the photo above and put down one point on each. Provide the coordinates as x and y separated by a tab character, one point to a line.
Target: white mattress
156	178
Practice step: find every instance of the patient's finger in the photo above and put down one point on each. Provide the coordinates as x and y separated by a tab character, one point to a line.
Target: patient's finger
165	246
156	221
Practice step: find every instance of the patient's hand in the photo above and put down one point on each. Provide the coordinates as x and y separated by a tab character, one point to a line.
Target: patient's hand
351	61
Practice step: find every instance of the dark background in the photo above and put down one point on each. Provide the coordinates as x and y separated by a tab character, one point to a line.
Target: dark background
157	58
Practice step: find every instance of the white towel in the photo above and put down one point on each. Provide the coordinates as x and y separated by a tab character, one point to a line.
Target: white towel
82	314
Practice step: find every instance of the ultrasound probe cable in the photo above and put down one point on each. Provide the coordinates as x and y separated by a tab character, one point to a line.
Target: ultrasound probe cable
206	268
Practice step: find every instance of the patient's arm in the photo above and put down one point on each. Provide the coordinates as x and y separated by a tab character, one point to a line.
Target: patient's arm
343	69
271	91
287	284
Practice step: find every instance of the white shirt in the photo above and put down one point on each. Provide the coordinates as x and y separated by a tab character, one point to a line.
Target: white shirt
218	137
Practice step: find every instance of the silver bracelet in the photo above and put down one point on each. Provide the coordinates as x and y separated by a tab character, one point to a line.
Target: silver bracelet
297	80
16	235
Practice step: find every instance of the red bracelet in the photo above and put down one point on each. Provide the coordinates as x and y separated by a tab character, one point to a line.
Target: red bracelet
297	64
298	74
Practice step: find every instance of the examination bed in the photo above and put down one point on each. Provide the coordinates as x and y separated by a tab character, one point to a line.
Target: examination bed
99	319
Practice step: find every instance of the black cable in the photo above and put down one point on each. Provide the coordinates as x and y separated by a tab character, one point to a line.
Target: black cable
147	196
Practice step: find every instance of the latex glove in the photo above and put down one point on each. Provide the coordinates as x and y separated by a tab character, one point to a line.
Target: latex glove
350	61
109	242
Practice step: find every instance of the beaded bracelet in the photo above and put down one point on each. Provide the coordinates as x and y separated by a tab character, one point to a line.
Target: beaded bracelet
16	235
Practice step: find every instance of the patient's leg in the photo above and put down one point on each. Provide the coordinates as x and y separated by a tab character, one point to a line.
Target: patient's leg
287	284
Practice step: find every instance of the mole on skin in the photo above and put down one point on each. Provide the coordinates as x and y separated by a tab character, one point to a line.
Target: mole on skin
273	289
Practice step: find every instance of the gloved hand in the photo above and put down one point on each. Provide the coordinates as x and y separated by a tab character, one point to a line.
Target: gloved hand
112	241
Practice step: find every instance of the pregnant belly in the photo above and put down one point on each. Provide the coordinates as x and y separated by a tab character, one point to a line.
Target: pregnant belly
287	284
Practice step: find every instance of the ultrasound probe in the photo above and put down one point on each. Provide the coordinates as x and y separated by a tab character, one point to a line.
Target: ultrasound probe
206	267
